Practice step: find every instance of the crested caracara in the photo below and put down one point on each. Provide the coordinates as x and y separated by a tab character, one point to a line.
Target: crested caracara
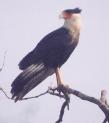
49	55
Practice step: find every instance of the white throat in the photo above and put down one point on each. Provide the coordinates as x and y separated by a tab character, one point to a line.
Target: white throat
74	23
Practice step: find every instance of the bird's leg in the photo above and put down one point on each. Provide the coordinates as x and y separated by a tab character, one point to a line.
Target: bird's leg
58	77
61	87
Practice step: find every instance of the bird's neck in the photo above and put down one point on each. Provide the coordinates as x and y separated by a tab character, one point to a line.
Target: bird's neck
73	26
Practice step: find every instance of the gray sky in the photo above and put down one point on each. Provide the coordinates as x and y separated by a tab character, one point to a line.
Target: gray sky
22	24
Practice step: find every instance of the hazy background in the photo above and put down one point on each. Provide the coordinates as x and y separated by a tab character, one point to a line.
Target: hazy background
22	24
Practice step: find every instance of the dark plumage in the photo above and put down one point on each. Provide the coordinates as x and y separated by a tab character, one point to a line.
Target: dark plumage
74	11
51	52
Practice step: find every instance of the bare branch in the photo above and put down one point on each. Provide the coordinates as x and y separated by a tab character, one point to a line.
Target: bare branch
6	95
35	96
82	96
64	93
3	61
103	98
103	106
1	89
62	111
104	101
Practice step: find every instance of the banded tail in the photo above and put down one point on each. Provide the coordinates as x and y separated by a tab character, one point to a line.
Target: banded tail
28	79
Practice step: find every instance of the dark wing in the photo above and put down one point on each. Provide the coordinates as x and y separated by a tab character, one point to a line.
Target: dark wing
50	46
56	47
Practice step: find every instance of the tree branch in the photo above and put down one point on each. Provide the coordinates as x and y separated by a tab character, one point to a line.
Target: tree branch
102	103
64	93
27	98
3	61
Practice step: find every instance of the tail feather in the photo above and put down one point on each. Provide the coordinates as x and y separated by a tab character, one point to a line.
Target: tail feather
28	79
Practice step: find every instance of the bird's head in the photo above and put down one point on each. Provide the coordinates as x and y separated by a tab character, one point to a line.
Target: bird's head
72	17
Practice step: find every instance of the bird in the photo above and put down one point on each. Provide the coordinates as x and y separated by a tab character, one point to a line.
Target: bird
49	55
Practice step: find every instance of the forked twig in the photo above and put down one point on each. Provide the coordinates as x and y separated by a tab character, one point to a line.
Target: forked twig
6	95
1	89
